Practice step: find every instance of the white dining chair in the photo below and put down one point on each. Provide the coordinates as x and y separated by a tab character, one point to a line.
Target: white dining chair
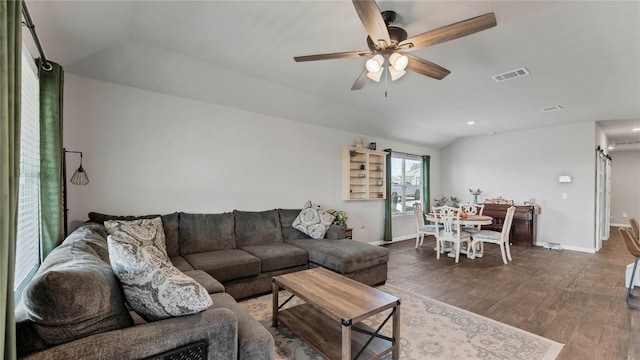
449	218
493	237
472	209
422	229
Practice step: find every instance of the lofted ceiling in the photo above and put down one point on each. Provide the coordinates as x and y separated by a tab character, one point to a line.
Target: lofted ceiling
582	55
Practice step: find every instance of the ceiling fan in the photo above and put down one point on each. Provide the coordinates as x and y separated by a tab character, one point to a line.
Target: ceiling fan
391	43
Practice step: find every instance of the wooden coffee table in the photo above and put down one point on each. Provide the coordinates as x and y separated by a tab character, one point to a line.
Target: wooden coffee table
330	320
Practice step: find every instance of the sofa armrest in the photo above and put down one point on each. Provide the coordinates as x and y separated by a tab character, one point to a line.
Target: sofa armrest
218	328
335	232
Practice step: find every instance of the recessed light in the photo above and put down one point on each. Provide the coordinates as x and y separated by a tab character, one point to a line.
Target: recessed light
635	129
610	147
471	122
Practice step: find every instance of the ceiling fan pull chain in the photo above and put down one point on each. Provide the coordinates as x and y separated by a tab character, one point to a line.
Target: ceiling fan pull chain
386	82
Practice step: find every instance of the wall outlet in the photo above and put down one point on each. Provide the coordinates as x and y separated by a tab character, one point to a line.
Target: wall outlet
362	228
565	196
624	215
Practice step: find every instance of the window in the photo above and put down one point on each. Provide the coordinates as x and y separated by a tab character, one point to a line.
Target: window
407	185
28	235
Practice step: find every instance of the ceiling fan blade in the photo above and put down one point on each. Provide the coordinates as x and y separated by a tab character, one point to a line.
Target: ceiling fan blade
360	81
341	55
450	32
427	68
371	18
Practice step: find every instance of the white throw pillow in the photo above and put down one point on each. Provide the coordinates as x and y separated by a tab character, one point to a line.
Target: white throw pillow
313	221
153	287
142	232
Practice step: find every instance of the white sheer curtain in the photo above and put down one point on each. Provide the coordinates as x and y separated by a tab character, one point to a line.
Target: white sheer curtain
603	197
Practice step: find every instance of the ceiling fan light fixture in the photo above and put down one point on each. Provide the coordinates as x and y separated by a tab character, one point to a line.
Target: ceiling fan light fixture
375	76
396	74
399	61
374	65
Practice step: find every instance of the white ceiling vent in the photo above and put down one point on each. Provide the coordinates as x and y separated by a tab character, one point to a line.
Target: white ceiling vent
511	75
551	108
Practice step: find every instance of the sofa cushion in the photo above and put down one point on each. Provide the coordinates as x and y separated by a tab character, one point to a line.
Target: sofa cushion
75	293
277	256
206	232
210	284
343	256
181	263
171	223
255	228
287	216
313	220
142	233
225	265
153	287
101	218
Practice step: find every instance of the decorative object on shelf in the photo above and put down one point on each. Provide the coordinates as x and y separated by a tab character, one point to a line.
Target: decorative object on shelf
372	146
341	217
359	143
380	182
79	178
362	167
531	202
362	175
498	200
475	194
378	168
380	195
353	153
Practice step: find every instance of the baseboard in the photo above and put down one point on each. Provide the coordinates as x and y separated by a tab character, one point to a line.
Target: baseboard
395	240
572	248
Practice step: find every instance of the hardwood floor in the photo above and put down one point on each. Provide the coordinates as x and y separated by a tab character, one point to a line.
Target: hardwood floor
574	298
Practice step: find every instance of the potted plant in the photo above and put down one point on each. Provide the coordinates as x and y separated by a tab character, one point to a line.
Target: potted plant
341	217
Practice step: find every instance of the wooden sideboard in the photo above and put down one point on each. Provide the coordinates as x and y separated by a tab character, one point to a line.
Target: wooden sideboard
523	228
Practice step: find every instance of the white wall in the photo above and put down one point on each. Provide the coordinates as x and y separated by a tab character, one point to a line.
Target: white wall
526	164
625	186
147	152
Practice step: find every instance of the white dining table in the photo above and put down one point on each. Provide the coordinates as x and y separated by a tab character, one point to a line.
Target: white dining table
469	220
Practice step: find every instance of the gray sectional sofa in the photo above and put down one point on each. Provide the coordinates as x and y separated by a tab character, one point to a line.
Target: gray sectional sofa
75	308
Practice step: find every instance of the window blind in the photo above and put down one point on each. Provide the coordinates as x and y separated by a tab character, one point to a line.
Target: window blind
28	232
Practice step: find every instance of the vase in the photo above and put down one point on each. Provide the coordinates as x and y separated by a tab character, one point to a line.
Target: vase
475	198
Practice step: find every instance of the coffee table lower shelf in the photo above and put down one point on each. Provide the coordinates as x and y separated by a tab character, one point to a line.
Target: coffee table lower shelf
324	334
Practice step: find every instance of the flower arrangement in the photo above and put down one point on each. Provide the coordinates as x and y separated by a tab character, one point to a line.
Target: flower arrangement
475	194
446	200
341	217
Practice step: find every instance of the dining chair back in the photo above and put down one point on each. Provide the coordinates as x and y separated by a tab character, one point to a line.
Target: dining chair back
493	237
633	246
472	209
422	229
635	228
448	230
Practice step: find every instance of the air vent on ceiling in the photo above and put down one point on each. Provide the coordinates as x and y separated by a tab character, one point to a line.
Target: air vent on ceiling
623	143
511	75
551	108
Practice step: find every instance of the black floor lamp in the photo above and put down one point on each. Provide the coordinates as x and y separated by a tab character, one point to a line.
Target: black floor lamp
79	178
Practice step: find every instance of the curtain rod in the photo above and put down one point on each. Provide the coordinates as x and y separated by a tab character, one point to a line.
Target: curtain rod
404	153
46	65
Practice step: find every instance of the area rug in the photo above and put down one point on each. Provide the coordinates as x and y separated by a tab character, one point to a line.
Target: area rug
429	330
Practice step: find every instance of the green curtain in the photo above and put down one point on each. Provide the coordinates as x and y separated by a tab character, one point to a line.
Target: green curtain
10	90
51	153
426	183
388	234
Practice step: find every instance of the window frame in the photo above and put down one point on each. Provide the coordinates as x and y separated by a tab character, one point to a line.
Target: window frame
403	184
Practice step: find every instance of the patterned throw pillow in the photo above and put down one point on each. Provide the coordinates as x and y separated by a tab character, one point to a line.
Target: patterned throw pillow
141	232
153	287
313	221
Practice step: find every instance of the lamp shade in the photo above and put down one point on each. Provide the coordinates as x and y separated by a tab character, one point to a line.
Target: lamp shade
398	61
80	177
375	76
374	64
396	74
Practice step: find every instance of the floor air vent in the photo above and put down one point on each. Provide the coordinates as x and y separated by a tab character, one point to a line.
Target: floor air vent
511	75
551	108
